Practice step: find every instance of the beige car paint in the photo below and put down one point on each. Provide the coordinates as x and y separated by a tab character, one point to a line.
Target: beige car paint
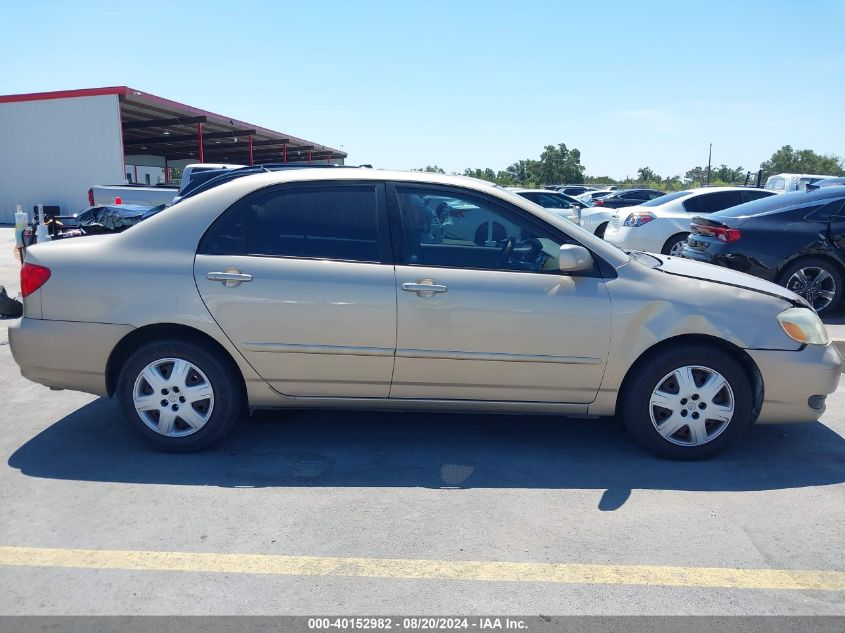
546	342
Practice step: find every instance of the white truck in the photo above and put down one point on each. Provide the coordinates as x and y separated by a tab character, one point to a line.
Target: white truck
782	183
148	195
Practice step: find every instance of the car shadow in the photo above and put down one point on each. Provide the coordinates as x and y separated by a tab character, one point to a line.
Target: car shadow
376	449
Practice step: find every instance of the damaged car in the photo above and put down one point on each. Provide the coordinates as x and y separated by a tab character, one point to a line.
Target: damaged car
325	288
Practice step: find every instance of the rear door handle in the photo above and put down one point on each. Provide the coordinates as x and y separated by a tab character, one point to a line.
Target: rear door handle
424	287
230	278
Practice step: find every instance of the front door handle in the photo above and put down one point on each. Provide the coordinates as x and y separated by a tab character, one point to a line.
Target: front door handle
424	288
230	277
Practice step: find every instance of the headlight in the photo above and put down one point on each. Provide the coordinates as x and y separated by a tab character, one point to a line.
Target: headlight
803	325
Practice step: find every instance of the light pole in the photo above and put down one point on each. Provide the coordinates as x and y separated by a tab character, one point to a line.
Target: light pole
709	156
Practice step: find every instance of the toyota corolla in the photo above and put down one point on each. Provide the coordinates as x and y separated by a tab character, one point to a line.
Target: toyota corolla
318	288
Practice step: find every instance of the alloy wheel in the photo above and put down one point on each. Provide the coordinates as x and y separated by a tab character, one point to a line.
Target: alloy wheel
815	284
173	397
677	248
691	406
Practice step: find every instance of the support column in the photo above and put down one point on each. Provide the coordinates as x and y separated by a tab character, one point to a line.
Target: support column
284	153
309	156
250	150
199	141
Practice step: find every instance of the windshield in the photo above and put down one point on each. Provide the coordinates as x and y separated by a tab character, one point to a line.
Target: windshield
656	202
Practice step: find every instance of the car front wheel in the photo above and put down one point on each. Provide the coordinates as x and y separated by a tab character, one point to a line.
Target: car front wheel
688	403
179	396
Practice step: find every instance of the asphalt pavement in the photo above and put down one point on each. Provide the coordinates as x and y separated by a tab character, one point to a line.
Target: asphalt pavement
398	513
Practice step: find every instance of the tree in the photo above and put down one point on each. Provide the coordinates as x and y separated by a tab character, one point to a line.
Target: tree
523	171
646	174
727	175
557	164
560	165
803	161
696	174
432	169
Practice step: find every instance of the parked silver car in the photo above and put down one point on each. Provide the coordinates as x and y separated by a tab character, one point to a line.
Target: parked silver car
313	289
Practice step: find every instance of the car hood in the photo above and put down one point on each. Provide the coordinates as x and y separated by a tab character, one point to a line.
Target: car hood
717	274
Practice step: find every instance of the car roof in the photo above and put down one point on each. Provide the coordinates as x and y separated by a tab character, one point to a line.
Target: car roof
782	202
700	190
271	175
518	190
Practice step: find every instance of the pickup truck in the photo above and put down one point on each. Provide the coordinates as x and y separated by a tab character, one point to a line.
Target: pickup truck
149	195
144	195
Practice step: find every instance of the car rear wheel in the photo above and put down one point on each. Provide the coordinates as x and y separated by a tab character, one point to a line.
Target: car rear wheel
674	246
179	396
817	280
600	231
687	403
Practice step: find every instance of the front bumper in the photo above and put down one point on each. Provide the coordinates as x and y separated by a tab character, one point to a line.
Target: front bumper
65	354
790	379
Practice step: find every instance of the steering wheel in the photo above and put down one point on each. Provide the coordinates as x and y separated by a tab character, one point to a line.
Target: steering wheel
506	252
532	244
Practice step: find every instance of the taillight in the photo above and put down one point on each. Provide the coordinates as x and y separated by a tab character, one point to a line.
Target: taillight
90	196
33	277
598	202
638	219
721	233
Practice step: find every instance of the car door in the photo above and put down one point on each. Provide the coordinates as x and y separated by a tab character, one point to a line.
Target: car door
301	280
833	212
628	199
492	321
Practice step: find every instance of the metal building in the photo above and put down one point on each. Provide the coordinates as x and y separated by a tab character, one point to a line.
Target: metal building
55	145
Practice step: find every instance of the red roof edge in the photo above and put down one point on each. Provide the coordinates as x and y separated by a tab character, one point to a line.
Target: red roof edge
64	94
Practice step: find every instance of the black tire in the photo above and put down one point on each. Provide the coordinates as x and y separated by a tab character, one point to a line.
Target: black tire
228	405
815	262
600	231
673	241
9	307
635	400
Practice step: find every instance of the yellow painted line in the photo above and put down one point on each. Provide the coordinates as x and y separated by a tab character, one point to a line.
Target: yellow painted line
410	569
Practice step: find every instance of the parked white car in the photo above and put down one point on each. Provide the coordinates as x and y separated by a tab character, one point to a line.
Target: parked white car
448	219
662	225
562	205
783	183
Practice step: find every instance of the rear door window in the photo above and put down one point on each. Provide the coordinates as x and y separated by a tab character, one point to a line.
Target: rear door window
336	222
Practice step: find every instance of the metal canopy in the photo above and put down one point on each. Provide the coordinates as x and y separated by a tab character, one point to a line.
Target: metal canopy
161	127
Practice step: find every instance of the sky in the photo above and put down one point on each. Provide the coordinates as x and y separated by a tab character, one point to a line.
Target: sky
464	83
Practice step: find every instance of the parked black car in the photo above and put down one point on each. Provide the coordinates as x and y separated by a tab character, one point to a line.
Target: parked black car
825	182
627	198
571	190
794	239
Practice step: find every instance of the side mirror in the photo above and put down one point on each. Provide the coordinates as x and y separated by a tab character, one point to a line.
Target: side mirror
574	259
